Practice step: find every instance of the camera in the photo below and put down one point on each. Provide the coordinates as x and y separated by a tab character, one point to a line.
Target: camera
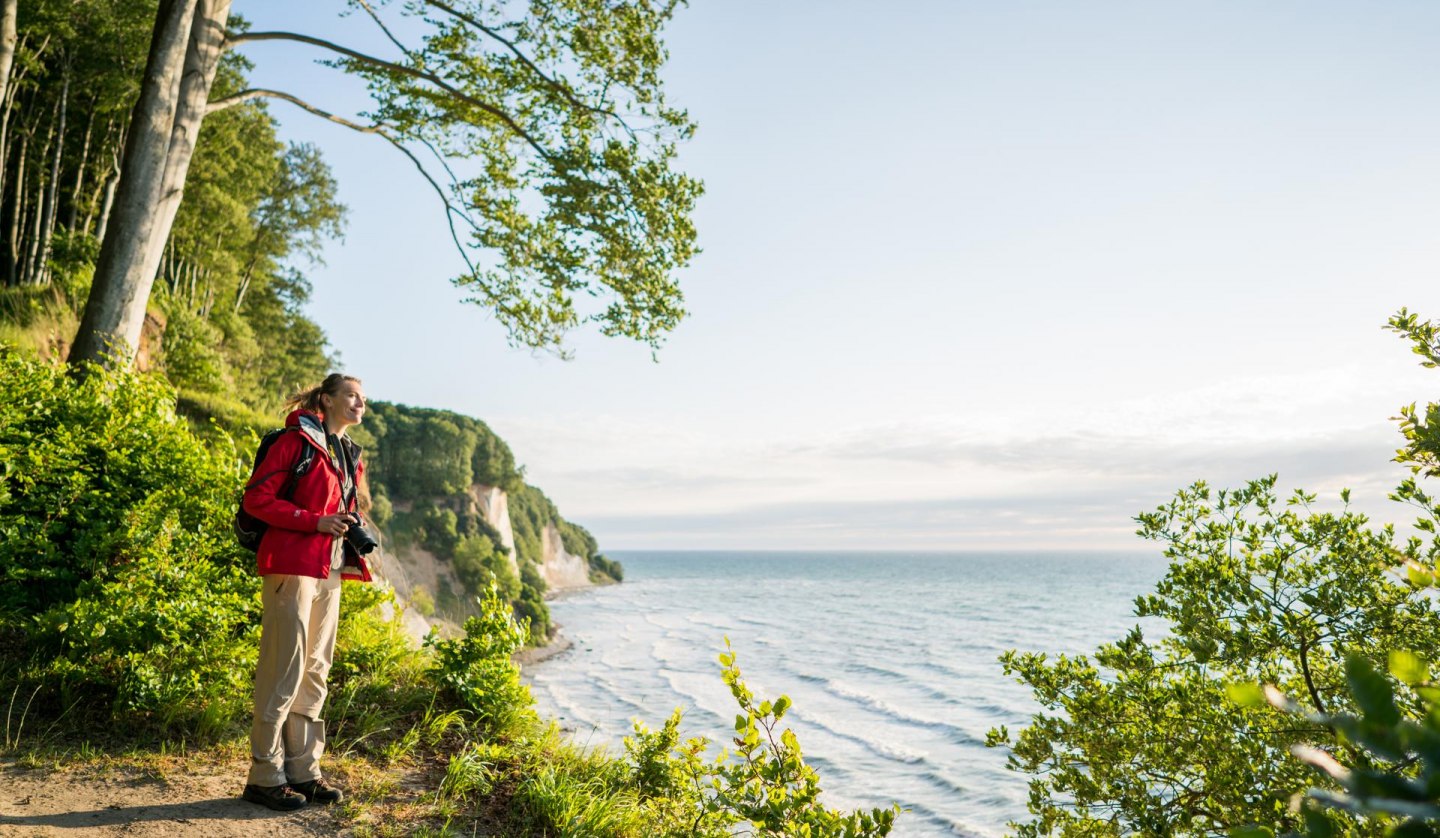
359	538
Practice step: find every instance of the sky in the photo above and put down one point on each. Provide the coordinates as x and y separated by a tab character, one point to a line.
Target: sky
975	275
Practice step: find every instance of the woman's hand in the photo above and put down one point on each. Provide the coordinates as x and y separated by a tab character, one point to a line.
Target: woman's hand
334	524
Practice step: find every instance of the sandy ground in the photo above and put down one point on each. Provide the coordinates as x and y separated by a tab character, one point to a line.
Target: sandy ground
186	797
131	802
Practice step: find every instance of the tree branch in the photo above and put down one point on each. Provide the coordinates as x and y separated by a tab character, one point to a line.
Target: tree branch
451	211
561	88
383	28
507	119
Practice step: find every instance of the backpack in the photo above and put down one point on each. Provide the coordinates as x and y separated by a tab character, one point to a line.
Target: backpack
249	529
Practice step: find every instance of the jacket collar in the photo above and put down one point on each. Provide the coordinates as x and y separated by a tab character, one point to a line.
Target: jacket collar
314	429
311	426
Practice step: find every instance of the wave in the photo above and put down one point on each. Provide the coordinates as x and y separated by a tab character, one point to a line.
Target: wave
894	753
935	820
951	786
931	692
888	710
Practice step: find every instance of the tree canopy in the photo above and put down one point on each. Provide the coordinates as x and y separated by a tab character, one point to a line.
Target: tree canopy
543	128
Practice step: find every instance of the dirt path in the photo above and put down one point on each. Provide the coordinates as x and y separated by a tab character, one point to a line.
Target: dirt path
203	800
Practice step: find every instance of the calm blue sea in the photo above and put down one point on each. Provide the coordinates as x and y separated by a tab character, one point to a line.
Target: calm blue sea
890	659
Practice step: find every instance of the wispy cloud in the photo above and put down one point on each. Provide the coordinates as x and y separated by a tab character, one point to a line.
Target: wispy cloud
941	483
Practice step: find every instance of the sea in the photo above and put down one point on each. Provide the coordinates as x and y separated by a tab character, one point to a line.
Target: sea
890	659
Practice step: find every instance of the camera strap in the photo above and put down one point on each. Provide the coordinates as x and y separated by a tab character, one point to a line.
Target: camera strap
340	457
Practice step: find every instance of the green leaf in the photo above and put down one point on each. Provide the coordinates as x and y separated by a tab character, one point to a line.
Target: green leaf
1408	667
1252	831
1246	695
1372	691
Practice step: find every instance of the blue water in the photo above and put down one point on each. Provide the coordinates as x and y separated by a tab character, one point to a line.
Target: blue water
890	659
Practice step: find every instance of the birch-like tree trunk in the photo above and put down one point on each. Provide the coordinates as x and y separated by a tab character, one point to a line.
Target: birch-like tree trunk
107	198
17	211
115	311
52	192
80	171
106	178
207	42
9	9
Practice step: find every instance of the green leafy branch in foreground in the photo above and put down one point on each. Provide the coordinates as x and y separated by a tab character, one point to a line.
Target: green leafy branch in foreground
1140	738
1393	778
764	782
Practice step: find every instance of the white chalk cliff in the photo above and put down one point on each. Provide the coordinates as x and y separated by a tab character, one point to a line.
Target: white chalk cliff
562	569
410	567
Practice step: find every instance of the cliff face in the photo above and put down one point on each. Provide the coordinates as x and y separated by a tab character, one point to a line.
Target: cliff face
417	574
458	517
493	504
562	569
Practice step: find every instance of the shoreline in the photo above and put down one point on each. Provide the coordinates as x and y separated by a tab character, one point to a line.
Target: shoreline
559	644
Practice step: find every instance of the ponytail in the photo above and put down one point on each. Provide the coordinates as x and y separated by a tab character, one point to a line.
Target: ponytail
310	399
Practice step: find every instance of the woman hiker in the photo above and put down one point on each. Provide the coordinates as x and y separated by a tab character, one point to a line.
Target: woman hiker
302	557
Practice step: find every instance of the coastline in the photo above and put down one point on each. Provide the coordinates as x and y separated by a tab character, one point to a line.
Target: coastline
532	655
559	643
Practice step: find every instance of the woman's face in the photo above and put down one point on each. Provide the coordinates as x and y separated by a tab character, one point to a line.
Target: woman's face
346	407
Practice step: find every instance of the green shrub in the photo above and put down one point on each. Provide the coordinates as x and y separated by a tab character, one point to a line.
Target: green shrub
476	669
115	542
764	782
77	456
480	564
192	357
168	635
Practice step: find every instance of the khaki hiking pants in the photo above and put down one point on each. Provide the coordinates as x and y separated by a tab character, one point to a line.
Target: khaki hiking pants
297	644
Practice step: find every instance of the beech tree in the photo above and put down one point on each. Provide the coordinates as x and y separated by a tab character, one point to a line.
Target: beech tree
542	127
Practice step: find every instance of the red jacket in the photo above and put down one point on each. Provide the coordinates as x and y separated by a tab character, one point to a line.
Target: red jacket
292	545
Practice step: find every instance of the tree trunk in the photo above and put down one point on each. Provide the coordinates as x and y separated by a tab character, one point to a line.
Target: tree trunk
74	215
17	210
52	194
207	41
105	189
115	311
8	11
31	274
107	200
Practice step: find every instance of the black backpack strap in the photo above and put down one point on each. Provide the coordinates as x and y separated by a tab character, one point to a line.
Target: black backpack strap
296	471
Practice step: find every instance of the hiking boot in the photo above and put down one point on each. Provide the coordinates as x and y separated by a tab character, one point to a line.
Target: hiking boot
279	798
316	791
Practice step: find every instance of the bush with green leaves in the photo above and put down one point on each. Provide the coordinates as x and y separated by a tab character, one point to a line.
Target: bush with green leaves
115	549
1143	740
77	456
1146	739
476	669
479	563
763	783
1384	766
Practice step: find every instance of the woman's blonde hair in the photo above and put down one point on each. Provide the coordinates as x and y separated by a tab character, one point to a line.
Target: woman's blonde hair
310	399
